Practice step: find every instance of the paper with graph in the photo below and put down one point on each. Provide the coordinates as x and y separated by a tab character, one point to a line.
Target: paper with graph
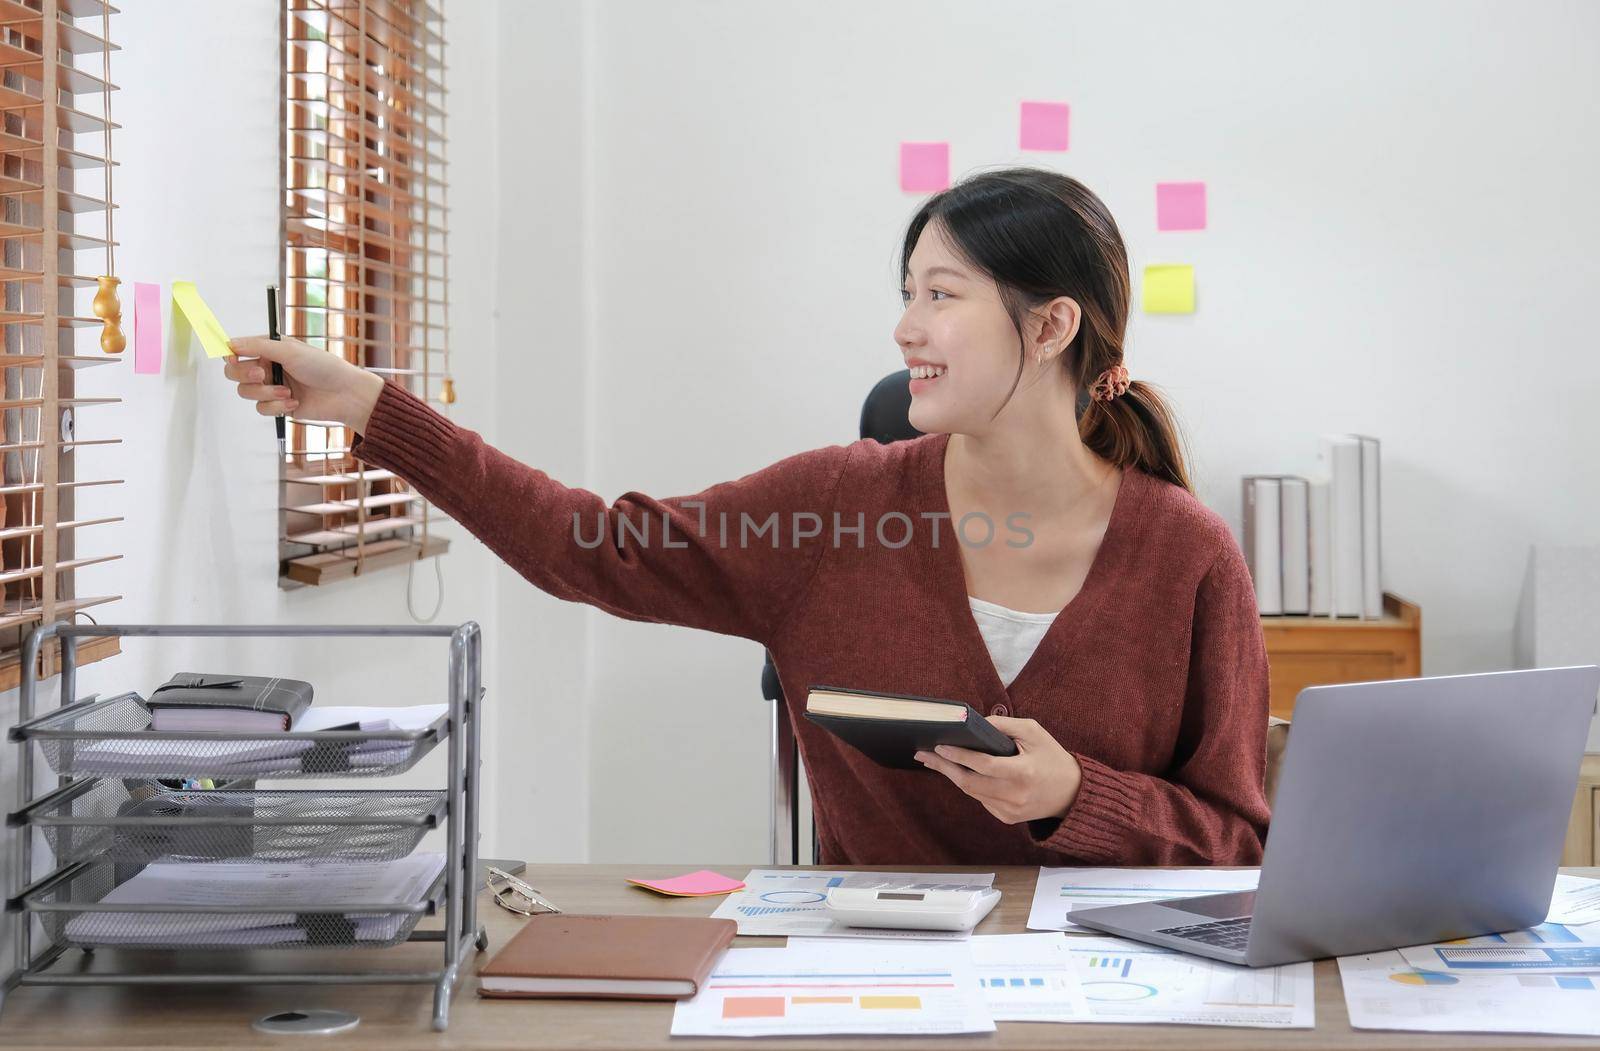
1059	891
1384	991
1029	977
786	902
833	986
1550	948
1126	981
1576	901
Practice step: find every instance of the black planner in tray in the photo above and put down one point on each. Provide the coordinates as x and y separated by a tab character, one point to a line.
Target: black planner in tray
112	737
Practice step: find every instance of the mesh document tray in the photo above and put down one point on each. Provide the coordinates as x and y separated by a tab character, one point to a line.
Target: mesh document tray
71	914
113	738
140	821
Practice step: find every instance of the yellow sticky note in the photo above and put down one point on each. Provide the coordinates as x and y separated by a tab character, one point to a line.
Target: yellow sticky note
1169	288
205	324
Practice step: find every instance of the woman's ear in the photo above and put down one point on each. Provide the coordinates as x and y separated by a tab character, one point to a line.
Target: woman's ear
1059	320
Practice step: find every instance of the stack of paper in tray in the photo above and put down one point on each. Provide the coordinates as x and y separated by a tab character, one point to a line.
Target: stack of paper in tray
300	887
243	758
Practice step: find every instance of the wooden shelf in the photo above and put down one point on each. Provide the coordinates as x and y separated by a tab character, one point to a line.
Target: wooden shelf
328	566
70	79
38	487
76	203
29	572
1583	828
342	478
346	533
15	447
66	361
12	274
89	650
70	239
9	317
14	613
1315	651
13	532
350	507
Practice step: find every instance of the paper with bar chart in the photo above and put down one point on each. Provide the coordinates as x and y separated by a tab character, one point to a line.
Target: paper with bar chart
787	902
833	986
1059	891
1384	991
1550	948
1125	981
1029	977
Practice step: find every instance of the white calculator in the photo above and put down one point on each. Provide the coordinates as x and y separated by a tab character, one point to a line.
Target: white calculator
922	906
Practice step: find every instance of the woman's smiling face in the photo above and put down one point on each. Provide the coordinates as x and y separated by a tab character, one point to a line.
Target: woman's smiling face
954	321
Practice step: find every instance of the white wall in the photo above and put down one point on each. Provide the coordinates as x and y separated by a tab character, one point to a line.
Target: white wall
1402	231
674	231
197	190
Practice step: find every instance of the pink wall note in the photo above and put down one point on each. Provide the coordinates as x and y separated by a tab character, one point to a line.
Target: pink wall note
146	329
924	166
1044	125
1180	206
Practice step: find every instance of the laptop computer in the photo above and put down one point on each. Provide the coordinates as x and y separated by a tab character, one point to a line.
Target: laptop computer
1408	811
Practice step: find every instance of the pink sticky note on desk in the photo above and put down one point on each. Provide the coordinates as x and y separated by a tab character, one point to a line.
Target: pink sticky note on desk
1045	125
694	885
1180	206
146	329
924	166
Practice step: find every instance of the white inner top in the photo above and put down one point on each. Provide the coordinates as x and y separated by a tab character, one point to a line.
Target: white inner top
1010	634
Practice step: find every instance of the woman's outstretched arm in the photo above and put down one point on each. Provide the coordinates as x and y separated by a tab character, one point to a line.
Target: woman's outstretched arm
734	559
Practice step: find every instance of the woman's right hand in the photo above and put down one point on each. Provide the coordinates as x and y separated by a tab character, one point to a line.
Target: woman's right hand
316	385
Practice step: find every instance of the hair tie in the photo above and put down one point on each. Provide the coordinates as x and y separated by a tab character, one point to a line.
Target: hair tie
1113	383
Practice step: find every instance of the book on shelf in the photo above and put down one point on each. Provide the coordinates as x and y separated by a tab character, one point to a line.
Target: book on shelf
1277	542
1314	545
1354	525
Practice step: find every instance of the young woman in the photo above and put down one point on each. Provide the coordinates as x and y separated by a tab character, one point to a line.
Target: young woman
1047	564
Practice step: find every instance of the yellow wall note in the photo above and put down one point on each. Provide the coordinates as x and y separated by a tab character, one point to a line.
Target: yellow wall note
205	324
1169	288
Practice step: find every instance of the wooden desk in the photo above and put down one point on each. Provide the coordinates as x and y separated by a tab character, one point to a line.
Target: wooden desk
167	1017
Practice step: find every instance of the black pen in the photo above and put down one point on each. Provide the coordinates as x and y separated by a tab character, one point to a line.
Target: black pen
277	369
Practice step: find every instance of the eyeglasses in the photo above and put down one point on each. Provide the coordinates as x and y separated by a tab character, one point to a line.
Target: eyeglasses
513	895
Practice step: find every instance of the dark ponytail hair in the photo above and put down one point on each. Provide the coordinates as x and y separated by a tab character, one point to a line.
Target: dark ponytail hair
1038	235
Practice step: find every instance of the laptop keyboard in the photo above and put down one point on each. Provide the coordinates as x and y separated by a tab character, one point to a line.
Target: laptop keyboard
1225	934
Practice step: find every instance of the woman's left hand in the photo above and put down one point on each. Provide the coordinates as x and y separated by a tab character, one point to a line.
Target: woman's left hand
1040	781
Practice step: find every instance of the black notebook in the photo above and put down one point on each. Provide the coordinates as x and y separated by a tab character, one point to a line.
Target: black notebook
890	728
190	701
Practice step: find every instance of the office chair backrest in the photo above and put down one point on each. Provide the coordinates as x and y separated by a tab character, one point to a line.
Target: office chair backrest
885	415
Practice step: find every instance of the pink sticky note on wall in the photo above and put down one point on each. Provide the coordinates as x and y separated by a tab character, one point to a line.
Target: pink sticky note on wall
1044	125
924	166
146	329
1180	206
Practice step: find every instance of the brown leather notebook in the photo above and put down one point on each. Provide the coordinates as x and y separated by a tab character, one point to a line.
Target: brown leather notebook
607	957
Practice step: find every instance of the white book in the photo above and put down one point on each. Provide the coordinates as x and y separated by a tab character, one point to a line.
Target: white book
1262	529
1320	533
1341	454
1294	542
1371	531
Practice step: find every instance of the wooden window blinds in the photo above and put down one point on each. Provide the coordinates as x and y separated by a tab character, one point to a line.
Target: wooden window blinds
55	236
365	268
